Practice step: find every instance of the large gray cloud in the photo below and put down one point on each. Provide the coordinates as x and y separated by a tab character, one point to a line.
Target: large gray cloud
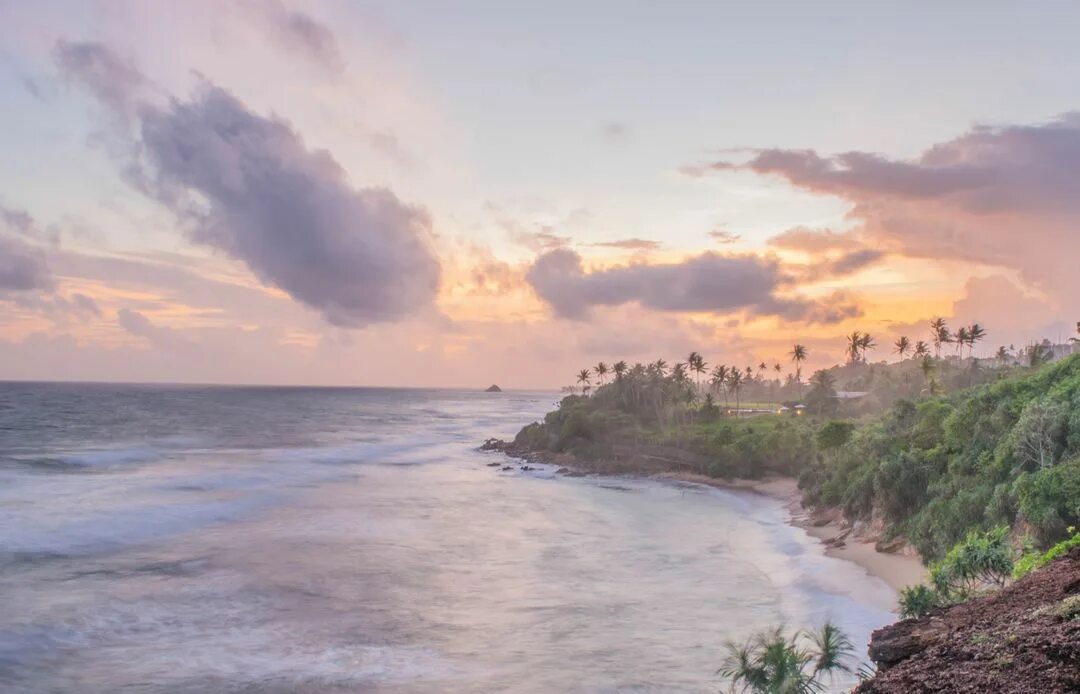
247	185
1004	196
705	283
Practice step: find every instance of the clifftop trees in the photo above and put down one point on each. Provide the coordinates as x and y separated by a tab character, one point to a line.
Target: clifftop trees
798	355
902	346
939	334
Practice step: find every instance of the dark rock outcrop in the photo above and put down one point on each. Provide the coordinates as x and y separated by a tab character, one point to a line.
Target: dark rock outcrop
1024	638
493	389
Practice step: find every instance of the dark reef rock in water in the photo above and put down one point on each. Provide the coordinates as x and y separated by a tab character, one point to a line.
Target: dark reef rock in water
1024	638
493	389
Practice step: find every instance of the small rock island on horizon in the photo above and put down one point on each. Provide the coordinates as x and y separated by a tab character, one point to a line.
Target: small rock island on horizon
493	389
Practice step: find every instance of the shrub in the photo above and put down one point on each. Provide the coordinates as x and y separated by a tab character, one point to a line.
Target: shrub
981	560
917	601
1050	500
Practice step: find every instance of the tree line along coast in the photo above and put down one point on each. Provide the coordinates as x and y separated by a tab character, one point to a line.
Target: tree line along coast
971	462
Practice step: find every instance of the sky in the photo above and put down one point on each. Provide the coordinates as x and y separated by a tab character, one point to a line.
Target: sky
456	194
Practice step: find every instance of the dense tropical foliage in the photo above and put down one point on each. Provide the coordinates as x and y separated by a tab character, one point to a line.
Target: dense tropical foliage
1001	454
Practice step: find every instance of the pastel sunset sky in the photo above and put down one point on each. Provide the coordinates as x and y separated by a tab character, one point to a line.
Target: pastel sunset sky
460	193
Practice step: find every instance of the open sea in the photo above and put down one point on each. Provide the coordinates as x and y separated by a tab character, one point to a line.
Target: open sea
239	539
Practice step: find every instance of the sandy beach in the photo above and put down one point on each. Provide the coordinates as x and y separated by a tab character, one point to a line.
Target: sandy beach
899	569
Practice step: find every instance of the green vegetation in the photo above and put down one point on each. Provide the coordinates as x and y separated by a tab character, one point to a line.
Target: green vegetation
980	562
917	601
1036	560
930	469
978	459
955	454
716	445
774	663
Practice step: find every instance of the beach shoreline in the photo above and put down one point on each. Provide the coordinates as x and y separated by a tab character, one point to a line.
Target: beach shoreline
898	569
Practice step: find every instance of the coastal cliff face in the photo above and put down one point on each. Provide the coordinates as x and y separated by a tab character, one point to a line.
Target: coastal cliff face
1024	638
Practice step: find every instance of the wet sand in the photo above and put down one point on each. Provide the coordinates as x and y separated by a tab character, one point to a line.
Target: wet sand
899	569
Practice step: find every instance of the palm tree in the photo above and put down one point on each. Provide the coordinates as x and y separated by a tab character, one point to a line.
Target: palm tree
961	340
678	374
939	334
921	350
902	345
798	355
620	369
823	389
854	346
1002	355
735	382
601	370
777	368
927	367
583	378
866	343
719	378
975	334
697	364
772	663
661	366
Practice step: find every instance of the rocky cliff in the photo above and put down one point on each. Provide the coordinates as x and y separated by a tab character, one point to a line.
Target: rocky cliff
1024	638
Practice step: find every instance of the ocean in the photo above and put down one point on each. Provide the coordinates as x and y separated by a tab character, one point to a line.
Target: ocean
256	539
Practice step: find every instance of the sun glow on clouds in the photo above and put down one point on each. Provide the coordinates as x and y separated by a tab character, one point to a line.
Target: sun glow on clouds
326	225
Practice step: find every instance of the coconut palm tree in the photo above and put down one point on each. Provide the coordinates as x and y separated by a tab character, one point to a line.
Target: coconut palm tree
661	367
697	364
772	663
939	334
866	343
1002	355
976	333
601	371
718	379
961	339
822	391
853	346
583	379
735	383
798	355
921	350
927	367
902	346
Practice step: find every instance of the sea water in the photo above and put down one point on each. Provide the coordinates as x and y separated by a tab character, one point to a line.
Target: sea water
239	539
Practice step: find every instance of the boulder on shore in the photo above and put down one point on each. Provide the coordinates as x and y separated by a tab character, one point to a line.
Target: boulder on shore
493	389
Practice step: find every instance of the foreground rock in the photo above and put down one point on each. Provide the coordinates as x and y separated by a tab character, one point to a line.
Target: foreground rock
1025	638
